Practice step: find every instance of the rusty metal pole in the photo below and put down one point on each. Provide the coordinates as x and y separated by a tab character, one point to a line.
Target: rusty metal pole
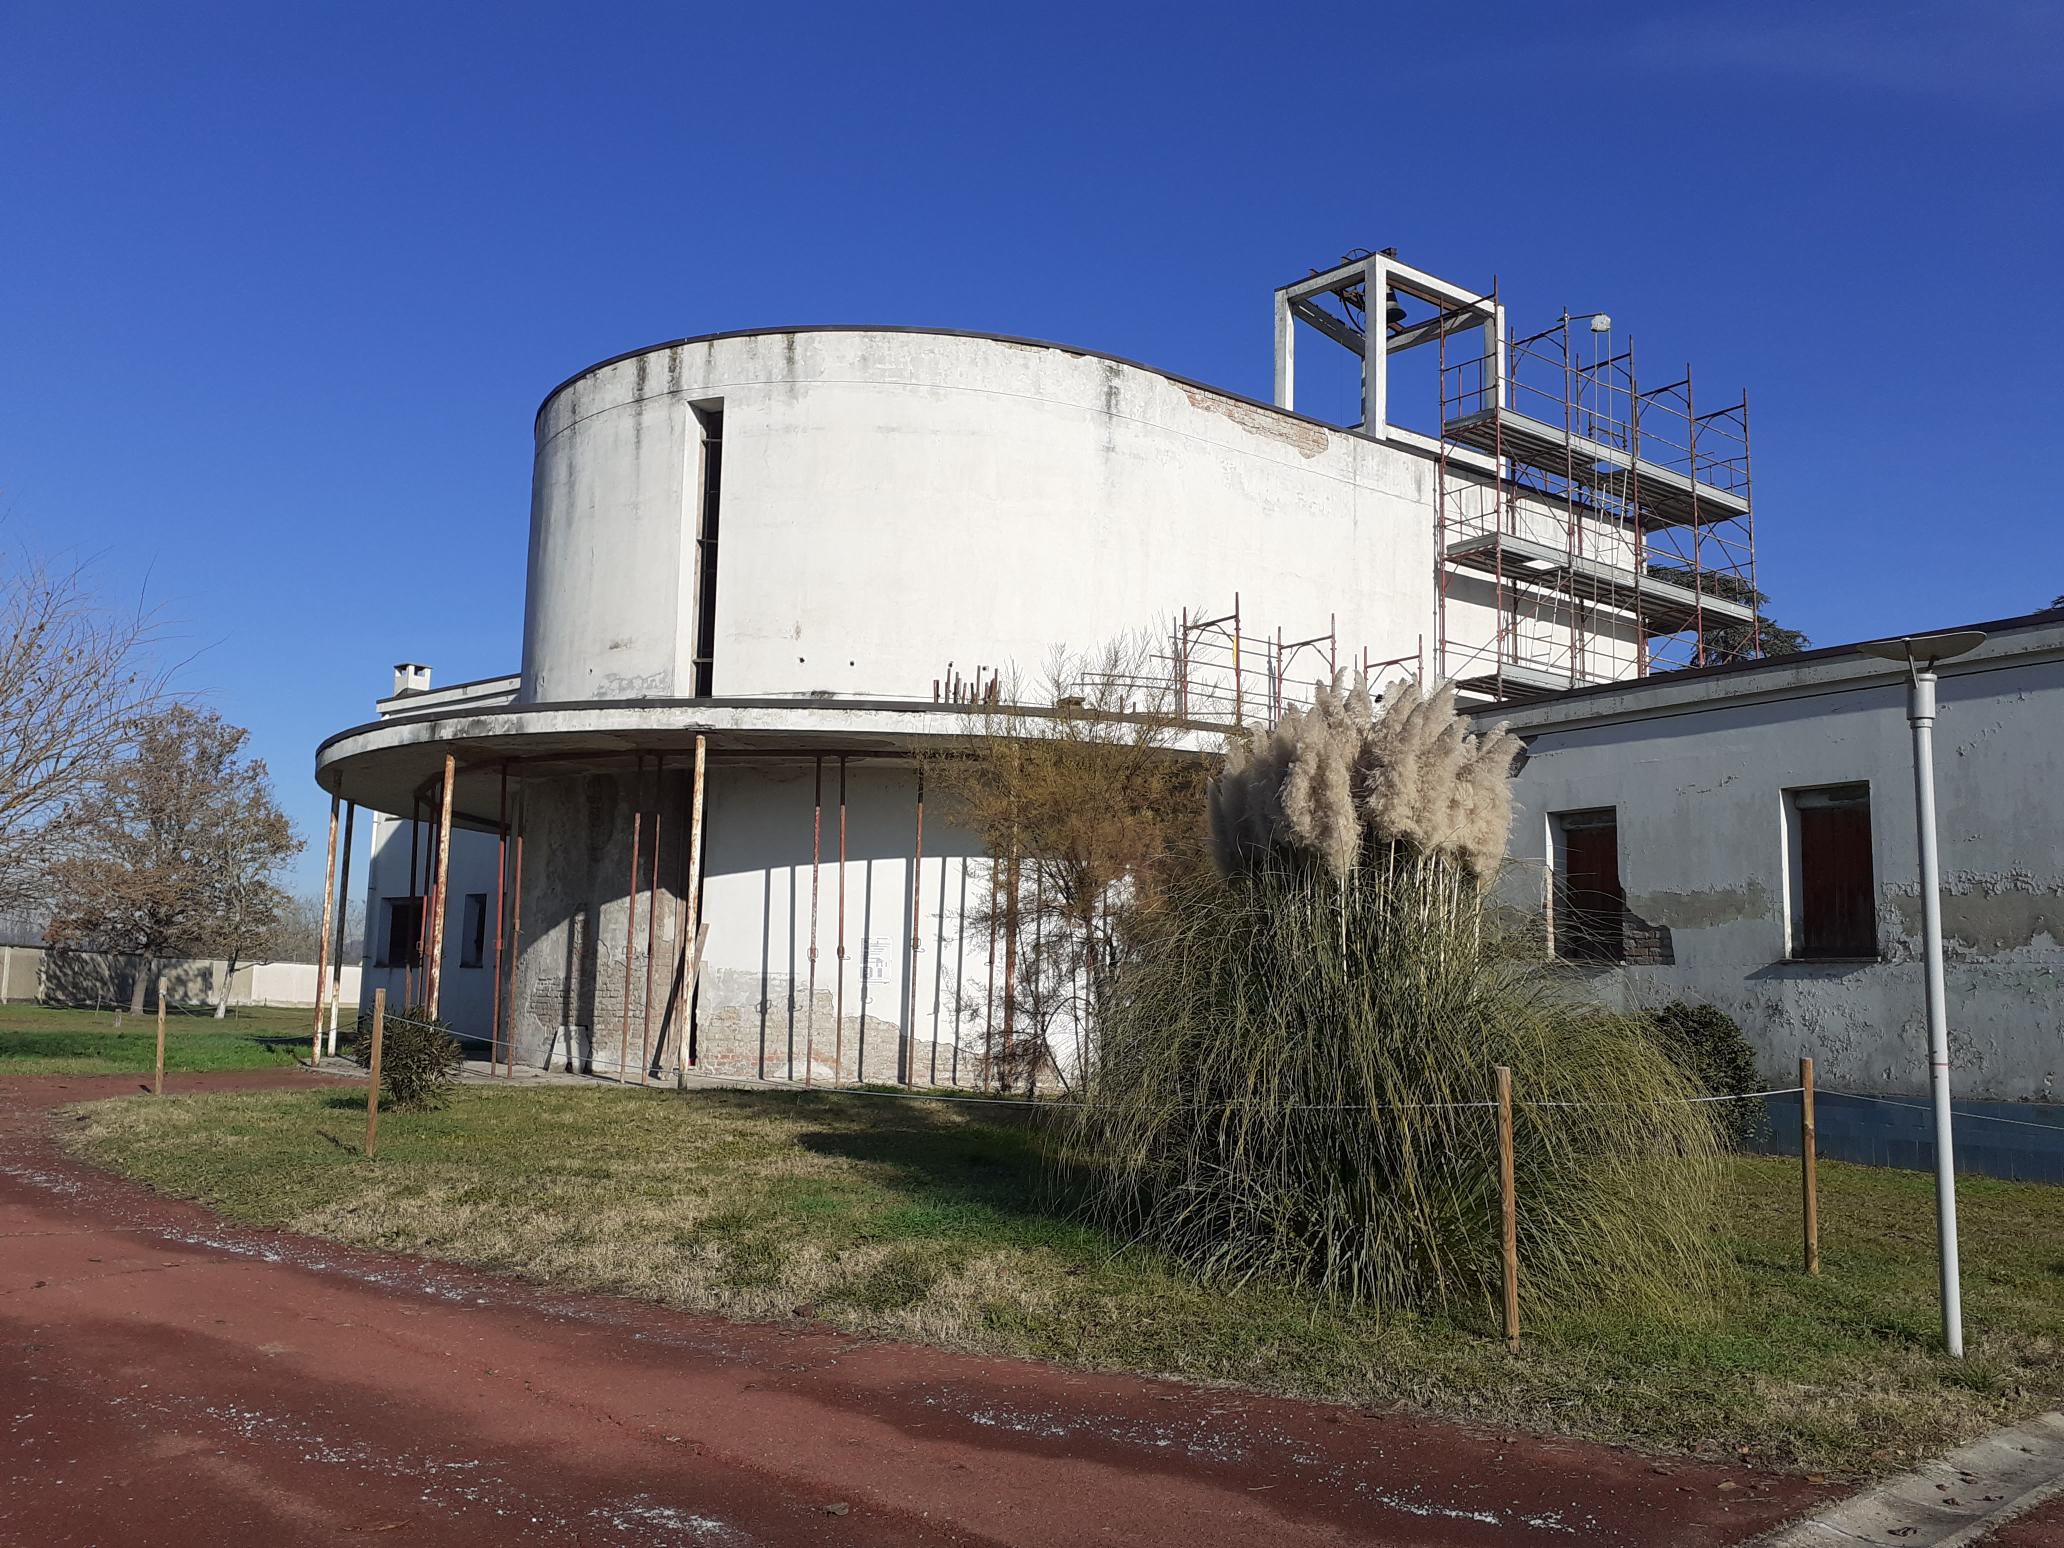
652	916
494	1035
630	944
916	941
816	864
158	1082
516	935
322	950
694	893
437	901
343	918
408	967
1010	959
989	972
838	1006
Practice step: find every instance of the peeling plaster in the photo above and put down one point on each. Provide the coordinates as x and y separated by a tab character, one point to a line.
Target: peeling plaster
1310	440
1752	904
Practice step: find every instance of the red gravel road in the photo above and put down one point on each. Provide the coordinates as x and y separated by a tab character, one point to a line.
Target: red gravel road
2042	1527
166	1378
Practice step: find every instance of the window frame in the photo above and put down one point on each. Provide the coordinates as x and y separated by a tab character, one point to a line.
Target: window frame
392	908
1868	944
473	930
1607	944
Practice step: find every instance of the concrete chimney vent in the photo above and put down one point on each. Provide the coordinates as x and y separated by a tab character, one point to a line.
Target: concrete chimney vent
410	677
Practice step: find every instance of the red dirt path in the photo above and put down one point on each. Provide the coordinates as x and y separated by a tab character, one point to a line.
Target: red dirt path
166	1378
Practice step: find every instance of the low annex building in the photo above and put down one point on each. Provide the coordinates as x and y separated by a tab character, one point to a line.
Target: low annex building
1745	836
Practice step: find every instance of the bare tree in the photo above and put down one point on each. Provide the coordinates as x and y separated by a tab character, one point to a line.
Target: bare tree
74	676
175	850
299	937
247	838
1081	791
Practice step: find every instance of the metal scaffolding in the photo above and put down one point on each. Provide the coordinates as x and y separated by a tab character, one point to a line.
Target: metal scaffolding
1587	528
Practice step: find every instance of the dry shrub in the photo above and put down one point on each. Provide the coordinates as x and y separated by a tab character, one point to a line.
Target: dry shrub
1294	1073
1334	778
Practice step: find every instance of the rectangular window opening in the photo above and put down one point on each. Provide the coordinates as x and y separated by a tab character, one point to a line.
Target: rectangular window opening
712	420
473	939
1588	907
401	939
1834	886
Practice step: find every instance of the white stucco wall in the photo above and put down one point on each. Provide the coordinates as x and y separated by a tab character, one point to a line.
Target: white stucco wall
895	501
1696	770
465	994
753	1013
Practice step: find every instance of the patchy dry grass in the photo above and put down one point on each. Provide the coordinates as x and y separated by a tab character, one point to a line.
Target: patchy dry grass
57	1040
923	1222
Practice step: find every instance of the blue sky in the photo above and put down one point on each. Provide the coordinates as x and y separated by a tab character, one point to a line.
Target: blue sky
281	286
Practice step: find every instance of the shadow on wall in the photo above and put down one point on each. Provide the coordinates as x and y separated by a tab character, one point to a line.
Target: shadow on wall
104	978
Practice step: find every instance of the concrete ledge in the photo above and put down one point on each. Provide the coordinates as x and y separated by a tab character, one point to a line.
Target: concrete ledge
1954	1500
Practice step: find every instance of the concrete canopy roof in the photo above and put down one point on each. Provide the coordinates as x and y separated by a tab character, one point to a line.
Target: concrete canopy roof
387	765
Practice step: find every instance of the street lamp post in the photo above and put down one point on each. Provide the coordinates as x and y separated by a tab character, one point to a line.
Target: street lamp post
1919	653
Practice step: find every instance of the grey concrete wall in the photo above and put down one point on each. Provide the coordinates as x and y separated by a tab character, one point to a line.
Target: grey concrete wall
579	934
65	977
754	1012
1697	770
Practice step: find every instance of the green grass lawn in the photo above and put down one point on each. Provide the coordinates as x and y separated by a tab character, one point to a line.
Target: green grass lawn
50	1040
922	1222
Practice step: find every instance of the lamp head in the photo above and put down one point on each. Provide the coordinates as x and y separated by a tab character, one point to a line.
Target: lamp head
1924	650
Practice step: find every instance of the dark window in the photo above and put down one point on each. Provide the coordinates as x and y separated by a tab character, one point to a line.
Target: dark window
1589	909
473	942
706	551
401	943
1834	913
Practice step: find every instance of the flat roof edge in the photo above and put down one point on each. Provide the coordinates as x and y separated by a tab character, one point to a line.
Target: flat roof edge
959	333
1735	681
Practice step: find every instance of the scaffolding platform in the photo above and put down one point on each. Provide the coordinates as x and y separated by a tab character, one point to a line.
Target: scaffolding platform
1664	606
1517	682
1667	497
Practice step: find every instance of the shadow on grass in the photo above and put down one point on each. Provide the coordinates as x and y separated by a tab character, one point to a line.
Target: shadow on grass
1011	1171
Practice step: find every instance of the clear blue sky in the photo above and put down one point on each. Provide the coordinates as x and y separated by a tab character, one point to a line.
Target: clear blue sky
281	285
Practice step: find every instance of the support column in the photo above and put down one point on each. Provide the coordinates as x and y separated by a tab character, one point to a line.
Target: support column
1376	348
1286	352
322	948
434	970
343	921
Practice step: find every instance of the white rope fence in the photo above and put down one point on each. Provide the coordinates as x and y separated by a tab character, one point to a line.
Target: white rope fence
799	1088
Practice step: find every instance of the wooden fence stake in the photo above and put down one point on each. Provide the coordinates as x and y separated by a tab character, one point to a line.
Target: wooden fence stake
372	1097
1807	1141
158	1085
1509	1202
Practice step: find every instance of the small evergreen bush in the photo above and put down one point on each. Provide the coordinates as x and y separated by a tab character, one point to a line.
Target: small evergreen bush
1711	1048
419	1058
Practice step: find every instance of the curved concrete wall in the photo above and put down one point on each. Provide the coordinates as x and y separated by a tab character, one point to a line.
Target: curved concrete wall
895	501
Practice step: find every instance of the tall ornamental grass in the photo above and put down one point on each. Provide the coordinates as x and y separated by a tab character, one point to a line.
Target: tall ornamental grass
1294	1073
